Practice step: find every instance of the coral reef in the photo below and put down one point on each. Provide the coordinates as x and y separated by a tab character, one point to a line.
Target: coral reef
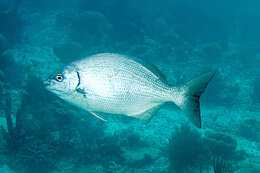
69	51
109	148
37	136
130	138
222	146
22	147
186	150
11	26
13	135
249	129
3	43
211	52
5	169
256	93
112	167
221	92
35	154
13	73
89	28
220	166
183	38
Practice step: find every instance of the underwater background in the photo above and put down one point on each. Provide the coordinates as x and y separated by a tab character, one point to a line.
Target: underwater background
183	38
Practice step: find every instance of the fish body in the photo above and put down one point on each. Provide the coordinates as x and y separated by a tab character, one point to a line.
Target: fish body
117	84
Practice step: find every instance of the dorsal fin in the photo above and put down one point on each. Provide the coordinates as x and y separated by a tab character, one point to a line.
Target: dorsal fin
157	72
151	67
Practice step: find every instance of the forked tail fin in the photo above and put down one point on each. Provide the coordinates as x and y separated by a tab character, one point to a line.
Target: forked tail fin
189	96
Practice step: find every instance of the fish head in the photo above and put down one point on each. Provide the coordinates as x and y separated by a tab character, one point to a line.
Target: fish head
63	83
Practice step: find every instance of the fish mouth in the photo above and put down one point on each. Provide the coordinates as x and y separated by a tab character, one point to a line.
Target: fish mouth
46	83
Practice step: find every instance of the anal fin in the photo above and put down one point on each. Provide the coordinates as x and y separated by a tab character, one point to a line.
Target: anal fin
146	116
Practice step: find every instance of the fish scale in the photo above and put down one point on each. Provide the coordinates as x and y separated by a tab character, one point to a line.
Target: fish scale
117	84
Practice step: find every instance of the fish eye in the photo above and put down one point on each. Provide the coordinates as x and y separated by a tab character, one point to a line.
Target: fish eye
59	78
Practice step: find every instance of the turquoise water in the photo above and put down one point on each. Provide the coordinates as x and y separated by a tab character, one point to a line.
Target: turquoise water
183	38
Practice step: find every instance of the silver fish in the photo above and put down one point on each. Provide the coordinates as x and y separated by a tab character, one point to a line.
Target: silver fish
117	84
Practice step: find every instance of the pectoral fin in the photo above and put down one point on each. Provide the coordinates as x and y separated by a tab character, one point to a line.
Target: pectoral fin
80	90
146	116
98	116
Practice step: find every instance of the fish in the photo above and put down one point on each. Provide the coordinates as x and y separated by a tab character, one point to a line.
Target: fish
109	83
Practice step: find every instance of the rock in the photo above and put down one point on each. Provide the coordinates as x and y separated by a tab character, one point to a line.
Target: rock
69	51
89	27
256	94
63	20
223	146
249	129
3	43
11	27
3	123
6	169
140	158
